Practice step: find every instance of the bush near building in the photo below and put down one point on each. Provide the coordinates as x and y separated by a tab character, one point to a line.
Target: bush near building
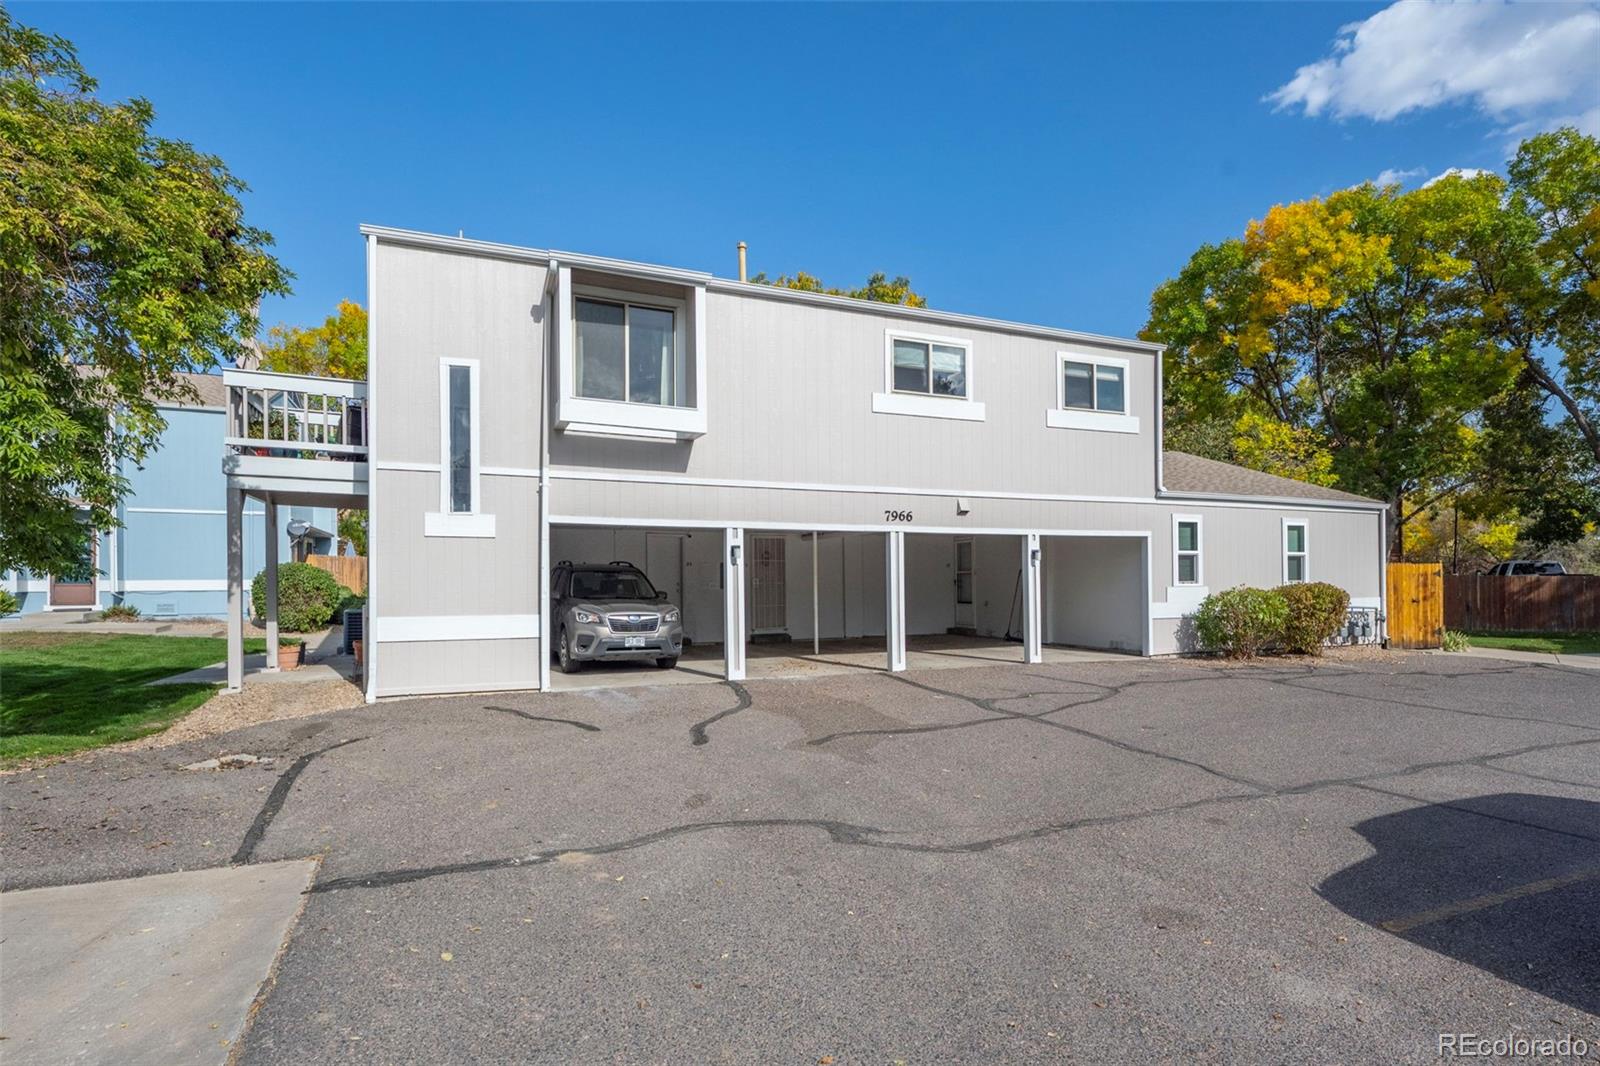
307	597
1317	610
1240	622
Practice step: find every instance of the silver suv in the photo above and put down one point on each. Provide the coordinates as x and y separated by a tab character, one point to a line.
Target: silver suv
609	611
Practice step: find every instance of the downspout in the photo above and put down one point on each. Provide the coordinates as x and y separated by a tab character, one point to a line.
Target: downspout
1161	425
551	343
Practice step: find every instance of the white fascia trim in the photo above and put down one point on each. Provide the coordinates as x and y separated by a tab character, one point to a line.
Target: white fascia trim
627	268
760	526
440	524
173	585
1223	499
905	403
1094	421
578	474
424	628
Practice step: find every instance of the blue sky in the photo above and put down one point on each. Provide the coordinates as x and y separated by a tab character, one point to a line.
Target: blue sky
1048	164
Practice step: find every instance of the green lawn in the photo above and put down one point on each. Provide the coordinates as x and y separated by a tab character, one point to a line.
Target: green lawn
1555	643
66	692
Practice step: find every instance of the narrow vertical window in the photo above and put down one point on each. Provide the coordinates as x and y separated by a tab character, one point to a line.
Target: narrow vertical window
1188	551
460	443
1295	555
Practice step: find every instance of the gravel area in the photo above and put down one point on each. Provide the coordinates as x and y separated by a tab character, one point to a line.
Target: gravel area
253	705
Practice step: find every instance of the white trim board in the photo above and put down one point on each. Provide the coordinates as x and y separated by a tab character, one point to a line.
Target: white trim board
423	628
763	526
653	478
173	585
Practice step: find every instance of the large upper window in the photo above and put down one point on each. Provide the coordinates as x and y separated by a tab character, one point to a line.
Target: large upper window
930	368
1089	386
627	351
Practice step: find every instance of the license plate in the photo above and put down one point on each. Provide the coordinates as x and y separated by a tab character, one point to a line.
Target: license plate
633	642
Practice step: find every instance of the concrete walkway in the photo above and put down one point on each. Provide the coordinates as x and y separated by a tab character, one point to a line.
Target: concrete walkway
151	970
321	663
1587	661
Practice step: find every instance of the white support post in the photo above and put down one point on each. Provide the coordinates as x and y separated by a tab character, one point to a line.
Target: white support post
235	590
733	603
894	583
816	617
1032	617
270	507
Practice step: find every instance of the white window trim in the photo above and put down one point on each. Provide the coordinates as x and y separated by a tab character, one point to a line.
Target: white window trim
1063	417
1305	541
620	418
1198	553
927	405
445	522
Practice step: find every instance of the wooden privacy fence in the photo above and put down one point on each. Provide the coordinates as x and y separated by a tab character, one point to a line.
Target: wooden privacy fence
349	570
1416	605
1544	604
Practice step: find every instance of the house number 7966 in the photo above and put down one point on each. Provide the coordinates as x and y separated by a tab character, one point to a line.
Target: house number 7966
897	516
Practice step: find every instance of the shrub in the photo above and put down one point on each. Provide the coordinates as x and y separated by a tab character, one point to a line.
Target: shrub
307	596
8	603
1241	621
1317	610
1454	640
120	612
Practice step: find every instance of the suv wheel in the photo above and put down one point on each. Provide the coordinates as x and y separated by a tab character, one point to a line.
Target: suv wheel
569	663
667	663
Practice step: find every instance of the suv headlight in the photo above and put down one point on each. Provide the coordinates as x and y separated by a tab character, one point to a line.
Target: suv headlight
672	615
588	618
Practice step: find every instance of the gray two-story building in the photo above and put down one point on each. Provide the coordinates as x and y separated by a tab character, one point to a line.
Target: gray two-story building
784	464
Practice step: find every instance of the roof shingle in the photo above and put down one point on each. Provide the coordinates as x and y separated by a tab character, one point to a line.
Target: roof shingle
1191	473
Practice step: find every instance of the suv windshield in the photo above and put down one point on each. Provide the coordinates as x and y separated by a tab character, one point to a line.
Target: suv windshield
610	585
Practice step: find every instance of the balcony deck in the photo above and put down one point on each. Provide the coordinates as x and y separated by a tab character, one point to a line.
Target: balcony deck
297	438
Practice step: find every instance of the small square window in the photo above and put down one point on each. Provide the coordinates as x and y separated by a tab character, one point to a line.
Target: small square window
910	366
1079	385
1108	389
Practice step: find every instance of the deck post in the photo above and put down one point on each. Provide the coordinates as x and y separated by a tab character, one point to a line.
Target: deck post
1032	638
733	603
271	611
894	584
235	536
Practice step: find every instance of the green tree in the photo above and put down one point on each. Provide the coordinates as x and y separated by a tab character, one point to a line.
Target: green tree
124	260
879	288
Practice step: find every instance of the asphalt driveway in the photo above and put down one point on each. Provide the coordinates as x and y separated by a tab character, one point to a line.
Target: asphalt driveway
1130	860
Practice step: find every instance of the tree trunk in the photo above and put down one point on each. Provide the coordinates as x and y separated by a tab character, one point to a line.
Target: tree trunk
1546	381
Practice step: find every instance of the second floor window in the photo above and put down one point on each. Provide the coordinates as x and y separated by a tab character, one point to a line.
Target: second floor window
627	352
930	368
1089	386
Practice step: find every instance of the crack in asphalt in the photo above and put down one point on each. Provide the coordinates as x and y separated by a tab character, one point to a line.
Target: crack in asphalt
1449	806
541	718
697	732
866	836
275	799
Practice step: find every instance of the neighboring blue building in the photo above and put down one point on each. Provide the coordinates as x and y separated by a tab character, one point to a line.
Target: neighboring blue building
169	556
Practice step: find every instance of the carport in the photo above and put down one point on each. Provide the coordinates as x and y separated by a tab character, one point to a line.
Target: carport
806	601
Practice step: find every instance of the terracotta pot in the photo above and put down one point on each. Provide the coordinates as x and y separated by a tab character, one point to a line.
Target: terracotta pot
289	656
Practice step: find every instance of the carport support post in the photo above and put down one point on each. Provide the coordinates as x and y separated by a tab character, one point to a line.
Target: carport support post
235	534
1032	638
271	506
733	603
894	583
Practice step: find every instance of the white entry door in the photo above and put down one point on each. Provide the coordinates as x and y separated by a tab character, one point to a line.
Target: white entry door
769	611
966	613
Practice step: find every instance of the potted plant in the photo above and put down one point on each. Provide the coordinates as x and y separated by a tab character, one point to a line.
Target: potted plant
290	650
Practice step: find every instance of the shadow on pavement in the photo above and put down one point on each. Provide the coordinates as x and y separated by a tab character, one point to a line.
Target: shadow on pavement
1509	883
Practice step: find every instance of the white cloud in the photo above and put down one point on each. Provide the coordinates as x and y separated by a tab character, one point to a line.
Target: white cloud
1532	65
1394	176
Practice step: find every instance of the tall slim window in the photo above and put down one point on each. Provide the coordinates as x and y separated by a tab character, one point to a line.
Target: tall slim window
460	443
626	352
1295	554
1188	551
